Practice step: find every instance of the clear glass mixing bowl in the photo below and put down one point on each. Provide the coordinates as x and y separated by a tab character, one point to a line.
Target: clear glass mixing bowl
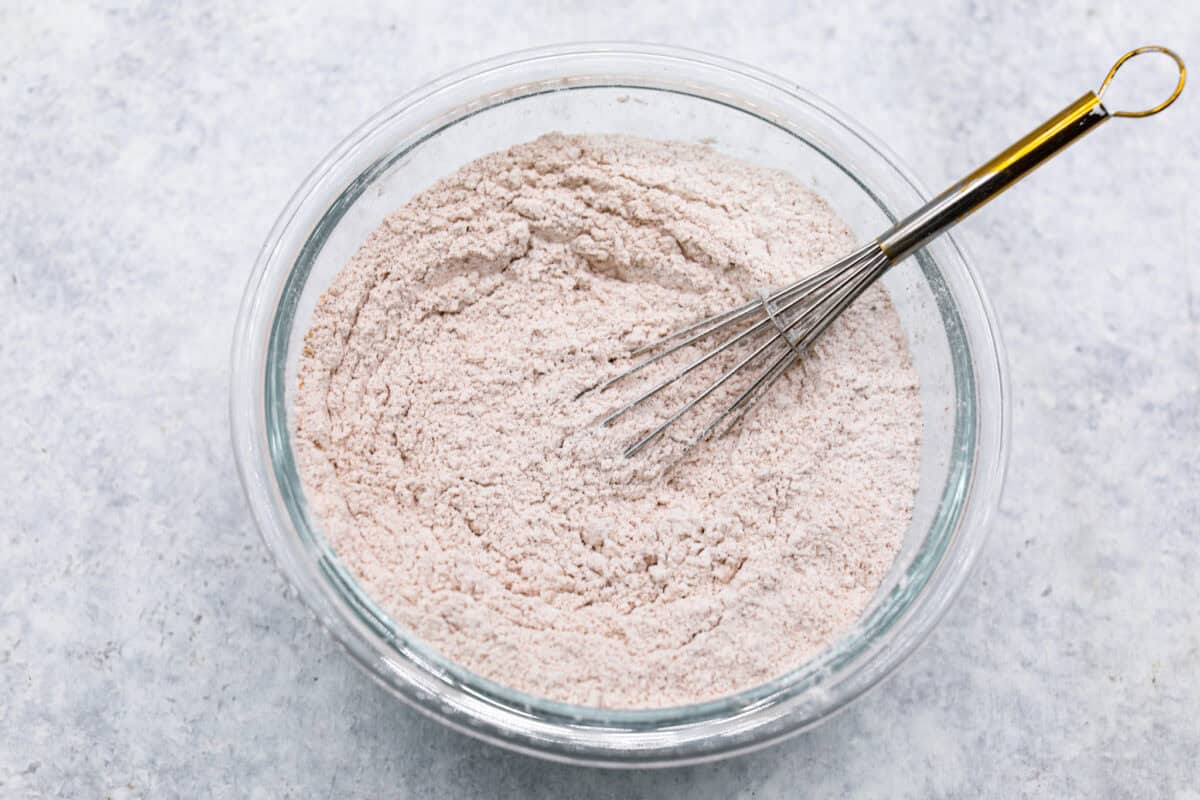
661	93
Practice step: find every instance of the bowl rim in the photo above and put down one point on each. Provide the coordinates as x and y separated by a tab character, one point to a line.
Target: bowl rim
752	725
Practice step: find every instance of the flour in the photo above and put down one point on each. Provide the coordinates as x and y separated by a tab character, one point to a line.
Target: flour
443	451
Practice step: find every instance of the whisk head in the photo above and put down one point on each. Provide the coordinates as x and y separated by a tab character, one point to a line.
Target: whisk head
769	333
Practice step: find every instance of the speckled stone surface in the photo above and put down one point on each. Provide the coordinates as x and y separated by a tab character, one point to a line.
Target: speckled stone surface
148	648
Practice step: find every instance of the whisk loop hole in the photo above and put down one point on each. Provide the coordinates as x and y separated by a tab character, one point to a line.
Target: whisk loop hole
1151	48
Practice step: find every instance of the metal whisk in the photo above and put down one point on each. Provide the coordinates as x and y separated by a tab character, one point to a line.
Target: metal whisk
792	318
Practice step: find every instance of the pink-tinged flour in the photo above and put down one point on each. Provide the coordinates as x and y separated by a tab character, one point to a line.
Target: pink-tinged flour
456	476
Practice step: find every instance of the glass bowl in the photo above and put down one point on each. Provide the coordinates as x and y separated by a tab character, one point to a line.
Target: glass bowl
655	92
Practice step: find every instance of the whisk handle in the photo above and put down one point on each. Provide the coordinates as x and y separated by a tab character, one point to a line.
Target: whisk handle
1014	163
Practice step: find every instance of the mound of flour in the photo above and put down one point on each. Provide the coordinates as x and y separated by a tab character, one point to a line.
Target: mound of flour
443	451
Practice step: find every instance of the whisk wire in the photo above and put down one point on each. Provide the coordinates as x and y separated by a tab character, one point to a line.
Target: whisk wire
768	378
795	295
807	298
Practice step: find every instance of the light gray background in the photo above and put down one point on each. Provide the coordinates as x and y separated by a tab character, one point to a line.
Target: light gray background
148	648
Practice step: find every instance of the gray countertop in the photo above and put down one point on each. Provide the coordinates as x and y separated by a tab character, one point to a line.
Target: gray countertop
148	648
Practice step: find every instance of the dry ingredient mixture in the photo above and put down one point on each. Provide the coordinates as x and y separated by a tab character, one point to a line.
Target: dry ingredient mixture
445	455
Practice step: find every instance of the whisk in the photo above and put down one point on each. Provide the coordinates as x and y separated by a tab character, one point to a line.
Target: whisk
776	328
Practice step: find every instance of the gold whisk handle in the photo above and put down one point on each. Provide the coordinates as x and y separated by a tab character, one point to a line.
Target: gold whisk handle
1014	163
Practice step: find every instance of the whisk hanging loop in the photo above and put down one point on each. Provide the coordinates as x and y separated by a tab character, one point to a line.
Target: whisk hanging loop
1150	48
